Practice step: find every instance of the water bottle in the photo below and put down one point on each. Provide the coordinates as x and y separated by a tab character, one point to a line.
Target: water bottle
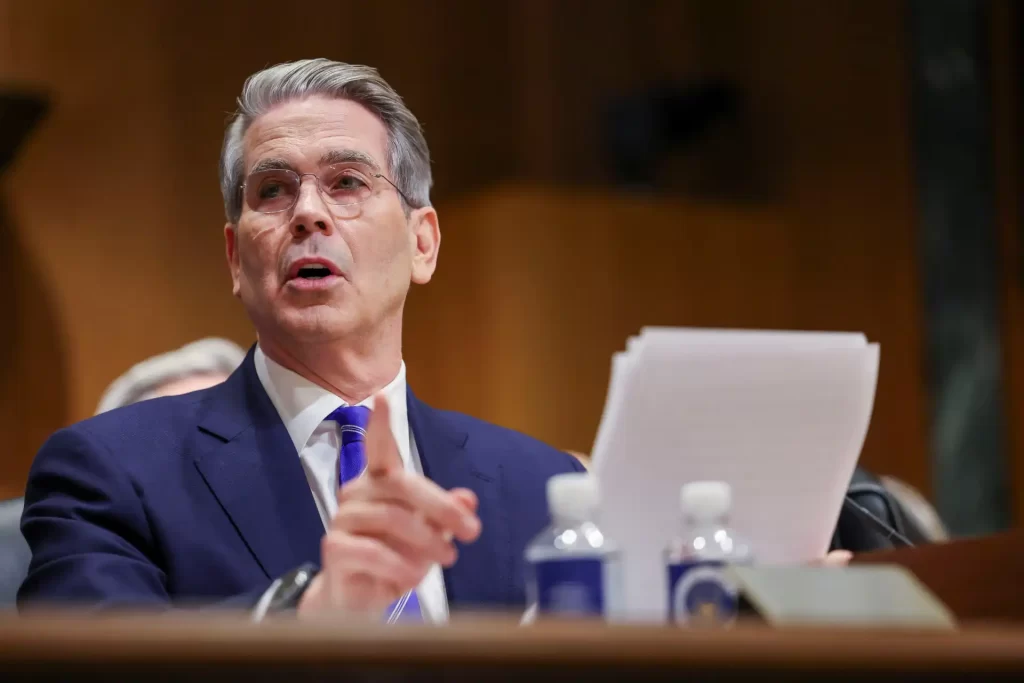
699	591
573	569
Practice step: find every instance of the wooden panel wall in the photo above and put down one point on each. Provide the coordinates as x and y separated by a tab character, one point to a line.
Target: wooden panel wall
115	214
553	296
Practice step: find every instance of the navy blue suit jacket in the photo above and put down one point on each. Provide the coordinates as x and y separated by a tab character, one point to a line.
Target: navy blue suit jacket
201	499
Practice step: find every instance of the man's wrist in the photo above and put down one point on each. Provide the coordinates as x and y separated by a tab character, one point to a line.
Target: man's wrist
286	592
318	601
311	597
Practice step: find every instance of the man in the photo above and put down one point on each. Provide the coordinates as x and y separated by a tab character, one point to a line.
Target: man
221	495
197	365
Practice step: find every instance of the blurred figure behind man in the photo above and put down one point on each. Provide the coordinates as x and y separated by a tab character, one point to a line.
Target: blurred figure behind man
198	365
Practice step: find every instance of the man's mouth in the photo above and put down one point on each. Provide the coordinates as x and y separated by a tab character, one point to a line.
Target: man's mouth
313	272
312	269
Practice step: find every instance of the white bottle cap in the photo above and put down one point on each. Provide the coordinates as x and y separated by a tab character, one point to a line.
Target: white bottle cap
572	497
705	500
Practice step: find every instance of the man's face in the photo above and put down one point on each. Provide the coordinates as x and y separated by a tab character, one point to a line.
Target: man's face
372	251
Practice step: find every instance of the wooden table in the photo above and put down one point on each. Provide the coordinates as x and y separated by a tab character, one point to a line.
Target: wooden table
196	648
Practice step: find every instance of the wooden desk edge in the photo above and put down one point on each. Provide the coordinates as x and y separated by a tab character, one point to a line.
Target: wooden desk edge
218	639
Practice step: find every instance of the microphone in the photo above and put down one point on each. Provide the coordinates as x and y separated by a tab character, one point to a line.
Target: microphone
891	534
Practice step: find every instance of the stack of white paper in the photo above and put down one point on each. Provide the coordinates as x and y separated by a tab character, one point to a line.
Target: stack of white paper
780	416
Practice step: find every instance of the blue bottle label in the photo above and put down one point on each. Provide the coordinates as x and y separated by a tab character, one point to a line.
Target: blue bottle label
570	586
700	593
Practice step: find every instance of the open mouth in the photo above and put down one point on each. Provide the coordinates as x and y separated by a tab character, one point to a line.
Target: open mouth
314	272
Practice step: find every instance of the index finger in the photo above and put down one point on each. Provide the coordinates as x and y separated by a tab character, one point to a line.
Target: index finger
382	454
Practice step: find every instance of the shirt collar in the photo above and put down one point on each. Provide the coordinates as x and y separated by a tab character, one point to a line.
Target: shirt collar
303	405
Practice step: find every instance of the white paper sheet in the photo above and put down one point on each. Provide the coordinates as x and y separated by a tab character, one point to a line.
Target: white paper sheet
781	417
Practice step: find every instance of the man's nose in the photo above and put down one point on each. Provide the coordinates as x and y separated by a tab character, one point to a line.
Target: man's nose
310	213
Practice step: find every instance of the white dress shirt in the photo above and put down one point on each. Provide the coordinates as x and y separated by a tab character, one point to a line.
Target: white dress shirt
303	407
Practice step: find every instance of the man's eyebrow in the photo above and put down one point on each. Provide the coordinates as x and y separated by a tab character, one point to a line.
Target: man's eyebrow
271	164
347	156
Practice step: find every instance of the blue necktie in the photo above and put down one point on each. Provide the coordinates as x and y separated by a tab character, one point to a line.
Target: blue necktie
352	421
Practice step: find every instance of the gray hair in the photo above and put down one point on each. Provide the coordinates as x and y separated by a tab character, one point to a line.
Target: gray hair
408	156
206	356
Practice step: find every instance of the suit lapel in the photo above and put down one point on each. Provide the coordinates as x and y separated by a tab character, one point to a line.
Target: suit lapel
253	470
251	467
482	575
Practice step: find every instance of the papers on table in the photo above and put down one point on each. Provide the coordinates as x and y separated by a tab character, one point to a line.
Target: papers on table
780	416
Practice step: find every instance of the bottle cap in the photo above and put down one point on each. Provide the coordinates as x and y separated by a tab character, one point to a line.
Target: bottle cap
572	496
706	500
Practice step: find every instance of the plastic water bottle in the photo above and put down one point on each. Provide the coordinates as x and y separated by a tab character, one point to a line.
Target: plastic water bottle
574	570
699	591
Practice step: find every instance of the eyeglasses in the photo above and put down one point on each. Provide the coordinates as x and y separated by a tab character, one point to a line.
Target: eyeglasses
344	185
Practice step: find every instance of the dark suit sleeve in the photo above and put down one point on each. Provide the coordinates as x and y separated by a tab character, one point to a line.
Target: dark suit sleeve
91	542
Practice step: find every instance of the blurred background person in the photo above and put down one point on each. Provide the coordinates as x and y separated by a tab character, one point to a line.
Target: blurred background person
923	515
195	366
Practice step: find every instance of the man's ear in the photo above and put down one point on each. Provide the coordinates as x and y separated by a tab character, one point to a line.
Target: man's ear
231	250
425	236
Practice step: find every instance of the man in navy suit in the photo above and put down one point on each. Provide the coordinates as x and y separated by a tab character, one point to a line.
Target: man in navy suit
314	453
